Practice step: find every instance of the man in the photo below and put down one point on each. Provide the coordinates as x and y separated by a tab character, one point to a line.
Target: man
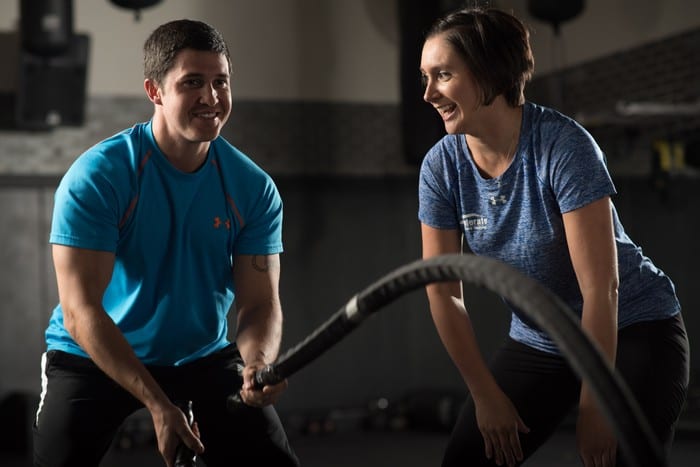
155	231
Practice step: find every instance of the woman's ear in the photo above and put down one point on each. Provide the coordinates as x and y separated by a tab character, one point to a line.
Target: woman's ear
152	91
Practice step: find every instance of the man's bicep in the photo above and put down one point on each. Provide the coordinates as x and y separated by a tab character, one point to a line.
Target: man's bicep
256	278
82	275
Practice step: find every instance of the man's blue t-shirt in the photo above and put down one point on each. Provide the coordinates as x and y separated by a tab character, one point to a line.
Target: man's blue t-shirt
517	217
174	236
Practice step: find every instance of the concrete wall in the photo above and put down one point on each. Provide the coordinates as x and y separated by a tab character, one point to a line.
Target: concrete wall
336	50
341	50
341	235
327	69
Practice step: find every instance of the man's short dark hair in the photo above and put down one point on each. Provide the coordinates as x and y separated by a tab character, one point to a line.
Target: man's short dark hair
166	41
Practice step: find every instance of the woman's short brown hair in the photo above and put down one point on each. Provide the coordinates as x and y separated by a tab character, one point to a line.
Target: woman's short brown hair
496	48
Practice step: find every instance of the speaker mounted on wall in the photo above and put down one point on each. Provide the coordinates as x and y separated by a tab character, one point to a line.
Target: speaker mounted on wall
52	67
52	89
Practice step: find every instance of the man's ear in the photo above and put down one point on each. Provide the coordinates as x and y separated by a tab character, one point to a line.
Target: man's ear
152	91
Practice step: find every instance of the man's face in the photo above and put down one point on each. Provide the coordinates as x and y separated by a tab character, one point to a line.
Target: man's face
194	97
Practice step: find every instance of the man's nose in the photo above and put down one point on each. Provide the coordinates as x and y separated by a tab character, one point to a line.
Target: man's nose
209	95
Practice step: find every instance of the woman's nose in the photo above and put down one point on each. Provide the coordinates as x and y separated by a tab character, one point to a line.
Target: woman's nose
429	92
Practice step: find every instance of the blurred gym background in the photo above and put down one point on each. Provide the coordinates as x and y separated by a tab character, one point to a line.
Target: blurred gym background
327	99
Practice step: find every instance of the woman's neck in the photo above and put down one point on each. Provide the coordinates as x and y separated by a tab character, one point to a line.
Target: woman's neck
494	144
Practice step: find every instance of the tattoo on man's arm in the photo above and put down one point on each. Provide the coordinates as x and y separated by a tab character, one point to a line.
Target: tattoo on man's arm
261	263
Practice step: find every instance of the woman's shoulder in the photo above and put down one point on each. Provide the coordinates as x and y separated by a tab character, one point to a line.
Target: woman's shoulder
447	147
550	119
549	127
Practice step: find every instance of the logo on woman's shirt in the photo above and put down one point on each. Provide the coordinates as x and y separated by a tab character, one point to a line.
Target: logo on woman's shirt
472	222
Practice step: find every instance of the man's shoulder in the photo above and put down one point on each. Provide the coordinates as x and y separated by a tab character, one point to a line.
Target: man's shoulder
128	139
231	158
122	151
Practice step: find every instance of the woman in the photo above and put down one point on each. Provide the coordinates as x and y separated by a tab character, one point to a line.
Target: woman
528	186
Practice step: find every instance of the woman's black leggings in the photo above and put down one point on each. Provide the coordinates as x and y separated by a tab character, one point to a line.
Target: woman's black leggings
652	357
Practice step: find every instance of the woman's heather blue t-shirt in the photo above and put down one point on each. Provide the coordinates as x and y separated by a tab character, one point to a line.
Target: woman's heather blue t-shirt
517	217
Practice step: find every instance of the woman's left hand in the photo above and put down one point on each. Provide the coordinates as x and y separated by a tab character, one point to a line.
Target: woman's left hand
597	443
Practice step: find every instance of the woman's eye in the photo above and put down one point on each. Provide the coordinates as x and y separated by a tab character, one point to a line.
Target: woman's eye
443	76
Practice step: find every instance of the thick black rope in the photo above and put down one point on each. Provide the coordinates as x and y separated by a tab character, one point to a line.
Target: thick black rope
546	310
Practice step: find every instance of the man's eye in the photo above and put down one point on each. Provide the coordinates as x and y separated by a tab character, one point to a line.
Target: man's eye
193	83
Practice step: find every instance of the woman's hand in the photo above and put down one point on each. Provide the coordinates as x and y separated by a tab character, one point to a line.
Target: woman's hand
500	425
597	444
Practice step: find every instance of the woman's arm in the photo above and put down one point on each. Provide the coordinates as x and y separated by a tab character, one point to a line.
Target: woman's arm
497	418
590	235
452	320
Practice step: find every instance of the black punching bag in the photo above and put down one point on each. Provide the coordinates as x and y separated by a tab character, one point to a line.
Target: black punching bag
46	26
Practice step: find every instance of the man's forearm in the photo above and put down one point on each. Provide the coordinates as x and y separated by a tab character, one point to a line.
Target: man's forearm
258	340
97	334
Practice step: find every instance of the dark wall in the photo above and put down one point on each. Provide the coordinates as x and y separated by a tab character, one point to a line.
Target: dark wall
665	224
341	235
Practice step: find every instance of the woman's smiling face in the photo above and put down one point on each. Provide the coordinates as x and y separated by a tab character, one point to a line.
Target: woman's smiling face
449	85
